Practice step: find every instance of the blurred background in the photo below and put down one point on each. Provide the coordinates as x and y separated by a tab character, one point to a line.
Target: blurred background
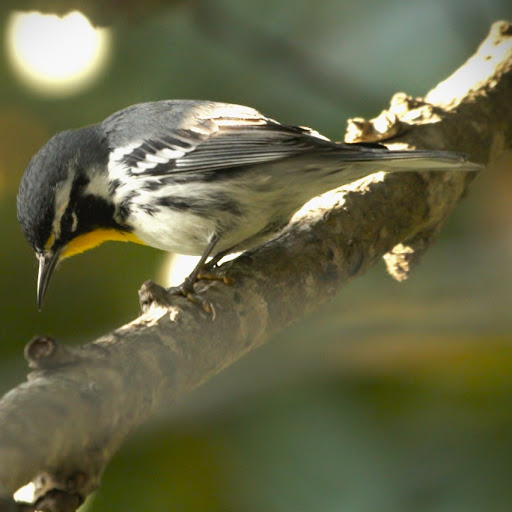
393	397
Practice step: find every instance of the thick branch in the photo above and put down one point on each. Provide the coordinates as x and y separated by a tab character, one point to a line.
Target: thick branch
63	425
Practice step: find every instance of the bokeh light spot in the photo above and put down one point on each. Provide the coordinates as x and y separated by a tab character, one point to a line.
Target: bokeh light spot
26	493
54	55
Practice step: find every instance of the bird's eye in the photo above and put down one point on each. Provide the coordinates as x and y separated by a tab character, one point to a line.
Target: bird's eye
65	221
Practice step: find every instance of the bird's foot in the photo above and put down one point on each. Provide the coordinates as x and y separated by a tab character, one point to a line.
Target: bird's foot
186	289
152	294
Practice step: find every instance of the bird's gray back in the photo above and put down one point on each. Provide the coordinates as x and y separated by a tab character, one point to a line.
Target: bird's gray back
152	120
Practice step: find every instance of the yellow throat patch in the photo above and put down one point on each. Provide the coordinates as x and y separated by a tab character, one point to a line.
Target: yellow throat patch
94	238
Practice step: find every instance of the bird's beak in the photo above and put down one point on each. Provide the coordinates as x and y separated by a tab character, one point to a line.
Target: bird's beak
47	264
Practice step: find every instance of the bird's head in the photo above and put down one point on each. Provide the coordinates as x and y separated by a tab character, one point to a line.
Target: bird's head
63	201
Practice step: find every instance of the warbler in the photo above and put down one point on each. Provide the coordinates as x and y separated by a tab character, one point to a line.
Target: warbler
187	176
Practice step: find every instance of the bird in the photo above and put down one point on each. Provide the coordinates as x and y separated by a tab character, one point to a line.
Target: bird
192	177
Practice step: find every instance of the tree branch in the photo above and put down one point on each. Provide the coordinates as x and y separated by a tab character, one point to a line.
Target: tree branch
62	426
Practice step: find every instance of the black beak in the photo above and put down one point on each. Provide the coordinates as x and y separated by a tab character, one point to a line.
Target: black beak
47	264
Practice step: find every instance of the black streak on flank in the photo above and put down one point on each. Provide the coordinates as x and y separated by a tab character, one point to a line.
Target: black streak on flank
208	207
150	209
113	186
153	185
123	210
179	204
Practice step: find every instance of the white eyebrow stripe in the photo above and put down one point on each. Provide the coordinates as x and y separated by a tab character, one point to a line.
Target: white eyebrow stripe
62	195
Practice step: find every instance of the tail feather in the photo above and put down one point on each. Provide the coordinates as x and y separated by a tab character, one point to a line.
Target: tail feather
422	159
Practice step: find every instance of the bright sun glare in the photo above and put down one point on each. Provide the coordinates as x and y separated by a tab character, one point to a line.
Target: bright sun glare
56	55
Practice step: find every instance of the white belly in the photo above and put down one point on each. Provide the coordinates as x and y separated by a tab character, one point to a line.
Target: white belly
183	232
182	217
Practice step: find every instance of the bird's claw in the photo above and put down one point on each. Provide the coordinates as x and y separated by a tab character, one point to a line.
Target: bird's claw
186	289
197	299
208	275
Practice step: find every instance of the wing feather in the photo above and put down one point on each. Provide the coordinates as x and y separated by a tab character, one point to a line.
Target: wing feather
198	136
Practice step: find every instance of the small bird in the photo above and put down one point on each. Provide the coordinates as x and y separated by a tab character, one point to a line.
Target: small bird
192	177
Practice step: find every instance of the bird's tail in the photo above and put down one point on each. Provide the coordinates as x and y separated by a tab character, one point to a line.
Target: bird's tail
416	160
345	163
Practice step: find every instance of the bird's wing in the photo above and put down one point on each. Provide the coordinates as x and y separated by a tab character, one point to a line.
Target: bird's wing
199	136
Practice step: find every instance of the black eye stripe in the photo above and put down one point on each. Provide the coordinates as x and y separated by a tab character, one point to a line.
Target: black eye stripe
66	221
79	183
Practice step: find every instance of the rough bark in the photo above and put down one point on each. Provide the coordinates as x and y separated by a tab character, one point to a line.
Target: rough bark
62	426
